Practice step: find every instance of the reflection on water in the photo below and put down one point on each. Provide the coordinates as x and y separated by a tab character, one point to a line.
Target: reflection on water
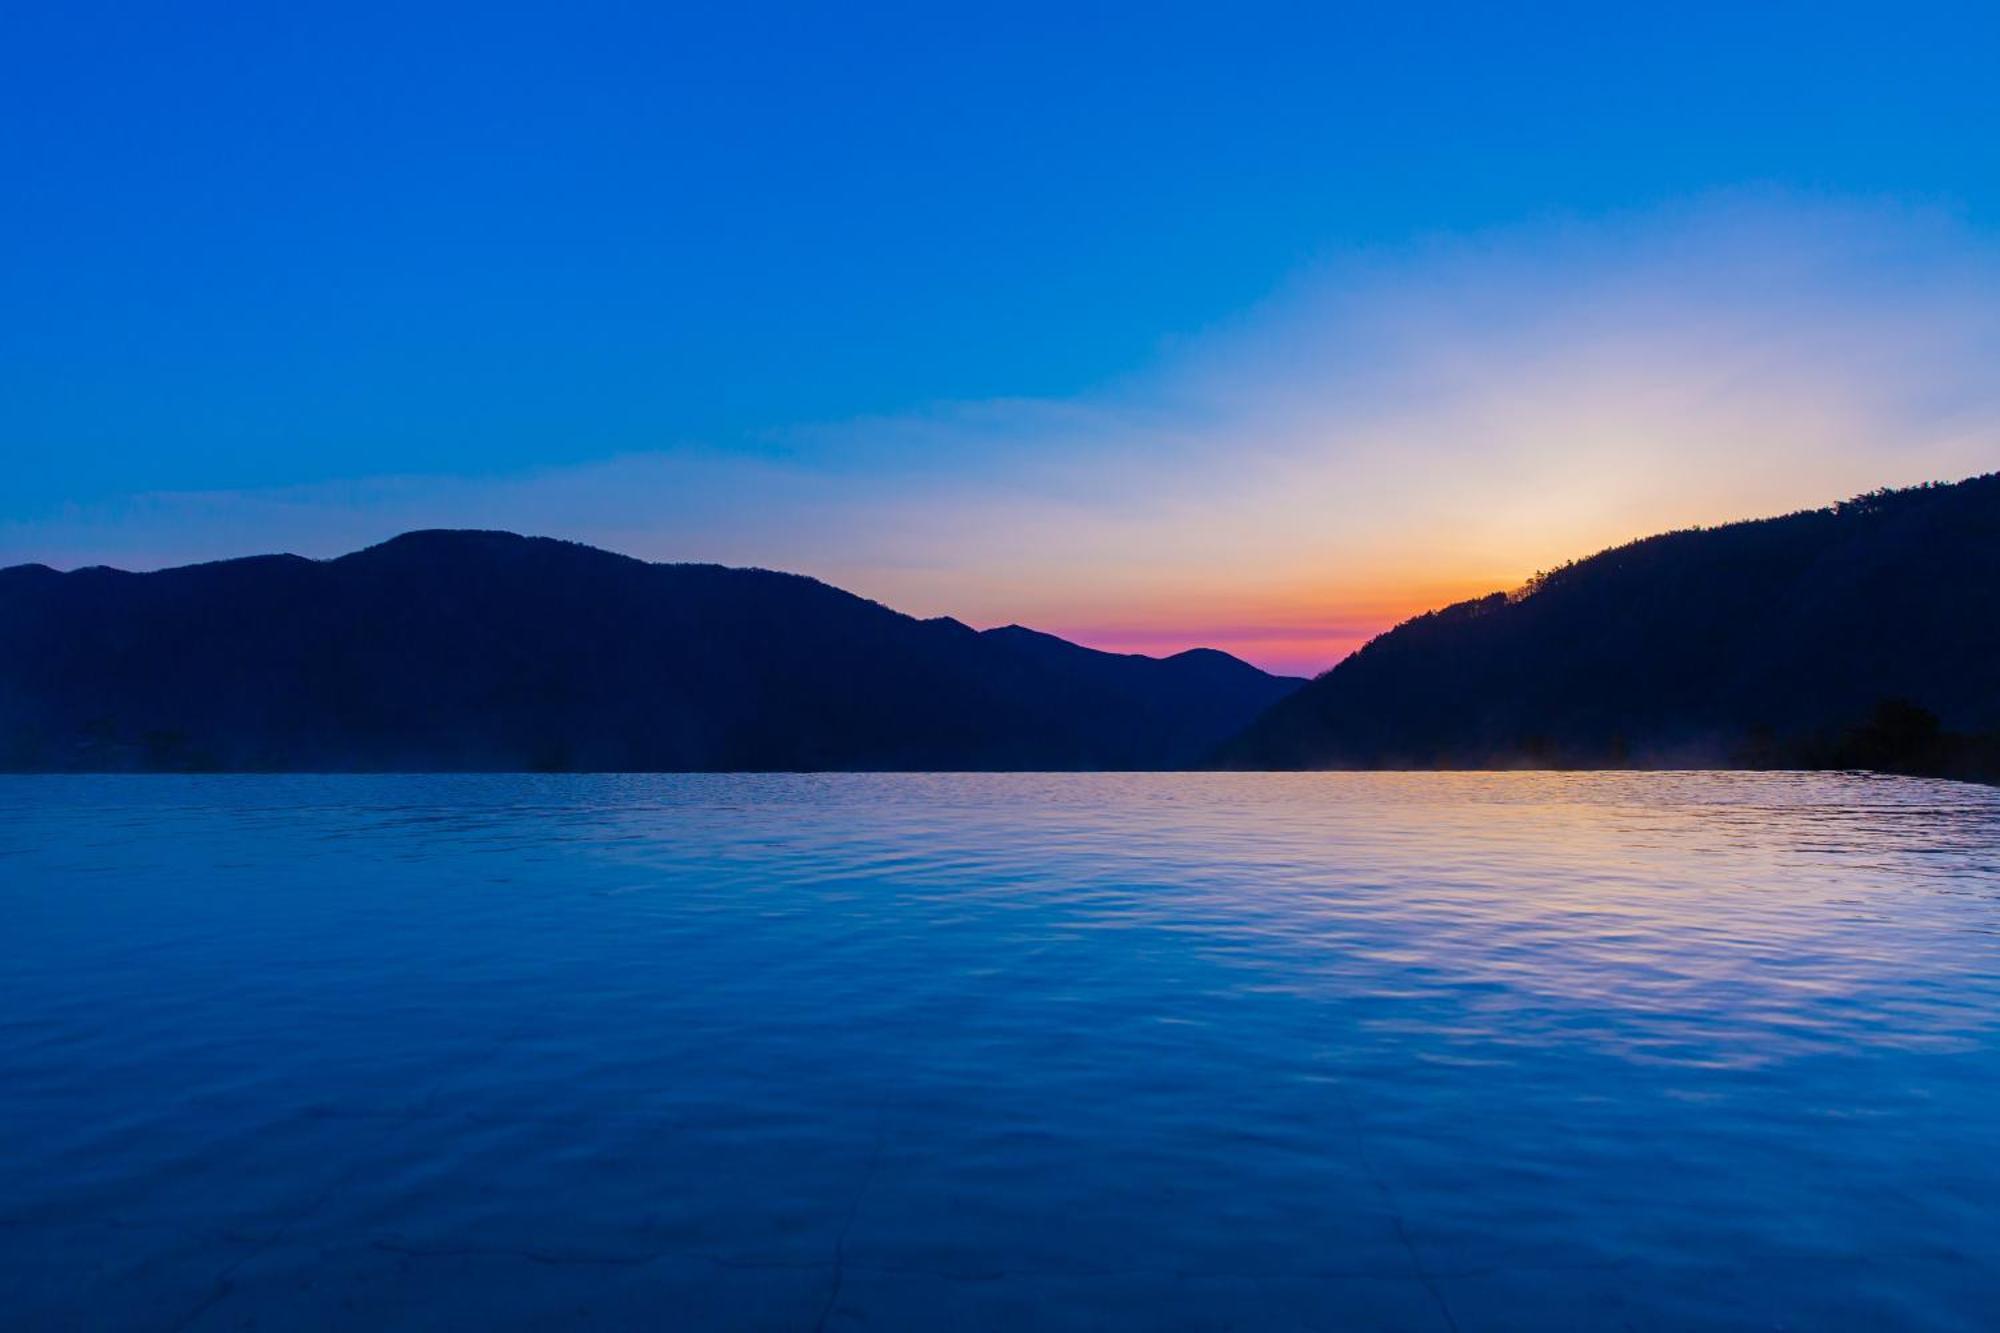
1165	1051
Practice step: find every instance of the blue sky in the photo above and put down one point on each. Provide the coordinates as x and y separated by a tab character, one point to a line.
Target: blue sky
279	278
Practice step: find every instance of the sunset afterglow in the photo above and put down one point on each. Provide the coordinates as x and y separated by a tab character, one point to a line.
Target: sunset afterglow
1365	423
1008	669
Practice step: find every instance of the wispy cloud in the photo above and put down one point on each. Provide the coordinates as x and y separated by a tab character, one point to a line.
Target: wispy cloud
1389	431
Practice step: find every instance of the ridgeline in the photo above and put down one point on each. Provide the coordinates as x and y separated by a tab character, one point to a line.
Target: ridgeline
452	650
1866	634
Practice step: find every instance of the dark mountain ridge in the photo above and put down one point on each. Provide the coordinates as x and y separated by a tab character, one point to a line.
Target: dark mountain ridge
1778	642
447	650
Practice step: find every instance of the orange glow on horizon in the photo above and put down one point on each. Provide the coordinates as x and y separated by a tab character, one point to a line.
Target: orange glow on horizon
1295	636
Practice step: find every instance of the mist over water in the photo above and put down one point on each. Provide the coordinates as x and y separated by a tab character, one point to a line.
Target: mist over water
1658	1051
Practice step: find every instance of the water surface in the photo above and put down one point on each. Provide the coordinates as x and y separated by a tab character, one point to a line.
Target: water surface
1529	1051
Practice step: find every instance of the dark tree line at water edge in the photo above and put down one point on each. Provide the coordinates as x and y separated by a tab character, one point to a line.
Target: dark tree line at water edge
1898	737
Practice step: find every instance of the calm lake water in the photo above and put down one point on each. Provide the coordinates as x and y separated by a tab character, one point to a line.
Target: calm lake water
1529	1051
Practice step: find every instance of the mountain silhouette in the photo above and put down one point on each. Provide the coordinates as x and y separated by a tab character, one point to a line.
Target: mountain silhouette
448	650
1820	638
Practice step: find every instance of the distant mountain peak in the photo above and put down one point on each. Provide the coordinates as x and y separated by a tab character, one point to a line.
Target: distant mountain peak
430	542
479	649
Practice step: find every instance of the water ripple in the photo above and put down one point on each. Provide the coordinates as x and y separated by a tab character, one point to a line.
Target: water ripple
1026	1051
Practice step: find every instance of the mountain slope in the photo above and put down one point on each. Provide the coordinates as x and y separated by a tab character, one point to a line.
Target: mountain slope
484	650
1755	642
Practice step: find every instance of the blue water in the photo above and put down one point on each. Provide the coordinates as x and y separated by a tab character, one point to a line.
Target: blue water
1436	1052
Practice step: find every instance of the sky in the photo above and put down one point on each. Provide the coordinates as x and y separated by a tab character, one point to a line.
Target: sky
1254	327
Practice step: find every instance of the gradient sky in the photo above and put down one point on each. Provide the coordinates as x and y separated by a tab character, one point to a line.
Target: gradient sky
1256	327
